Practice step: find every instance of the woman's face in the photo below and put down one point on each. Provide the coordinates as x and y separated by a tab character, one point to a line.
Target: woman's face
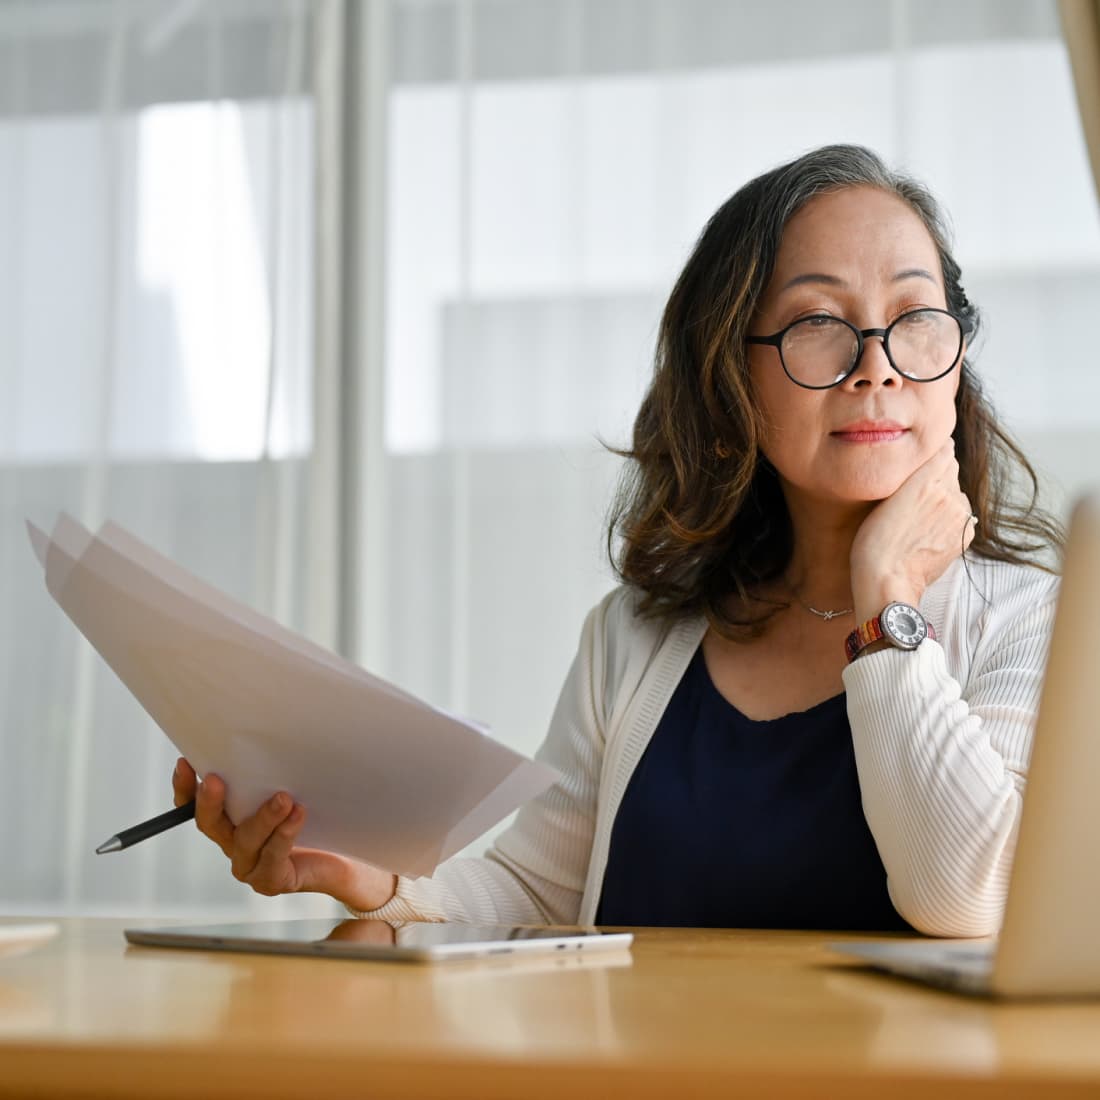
861	254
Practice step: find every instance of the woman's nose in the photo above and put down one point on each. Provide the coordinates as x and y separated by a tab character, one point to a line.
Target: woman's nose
874	367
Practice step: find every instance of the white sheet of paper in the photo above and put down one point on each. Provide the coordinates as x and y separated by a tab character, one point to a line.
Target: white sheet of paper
384	776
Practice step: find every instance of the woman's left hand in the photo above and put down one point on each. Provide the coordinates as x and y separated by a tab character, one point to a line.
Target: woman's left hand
910	538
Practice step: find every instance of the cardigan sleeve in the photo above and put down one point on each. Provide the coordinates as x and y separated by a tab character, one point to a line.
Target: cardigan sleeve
535	871
942	766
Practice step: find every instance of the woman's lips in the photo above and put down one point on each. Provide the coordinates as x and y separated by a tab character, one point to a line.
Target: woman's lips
870	431
870	437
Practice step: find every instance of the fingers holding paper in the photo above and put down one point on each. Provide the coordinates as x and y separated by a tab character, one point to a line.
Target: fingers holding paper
259	848
184	782
209	796
262	852
263	844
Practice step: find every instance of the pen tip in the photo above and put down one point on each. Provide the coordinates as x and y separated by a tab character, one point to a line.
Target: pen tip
112	845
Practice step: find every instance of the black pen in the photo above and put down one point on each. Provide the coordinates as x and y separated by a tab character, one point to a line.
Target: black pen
149	828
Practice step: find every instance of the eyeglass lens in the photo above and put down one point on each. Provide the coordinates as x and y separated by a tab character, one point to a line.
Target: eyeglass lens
820	351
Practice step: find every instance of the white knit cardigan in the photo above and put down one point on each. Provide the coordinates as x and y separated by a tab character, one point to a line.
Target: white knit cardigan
942	739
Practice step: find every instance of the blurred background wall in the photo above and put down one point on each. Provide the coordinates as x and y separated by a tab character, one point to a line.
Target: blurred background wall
333	301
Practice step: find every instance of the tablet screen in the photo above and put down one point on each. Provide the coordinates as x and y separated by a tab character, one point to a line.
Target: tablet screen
373	939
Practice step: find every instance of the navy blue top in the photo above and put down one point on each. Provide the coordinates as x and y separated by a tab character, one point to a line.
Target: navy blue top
732	823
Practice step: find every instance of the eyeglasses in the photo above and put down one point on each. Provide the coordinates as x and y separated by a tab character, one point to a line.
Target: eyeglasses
821	351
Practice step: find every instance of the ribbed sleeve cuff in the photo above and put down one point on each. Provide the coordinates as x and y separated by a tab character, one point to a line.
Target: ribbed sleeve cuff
874	674
414	900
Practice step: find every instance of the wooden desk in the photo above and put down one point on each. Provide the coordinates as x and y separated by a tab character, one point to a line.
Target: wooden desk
688	1014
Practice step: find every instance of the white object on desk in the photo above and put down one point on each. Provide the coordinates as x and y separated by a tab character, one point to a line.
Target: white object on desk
16	939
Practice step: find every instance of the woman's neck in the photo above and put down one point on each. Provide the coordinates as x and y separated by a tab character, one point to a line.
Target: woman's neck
819	572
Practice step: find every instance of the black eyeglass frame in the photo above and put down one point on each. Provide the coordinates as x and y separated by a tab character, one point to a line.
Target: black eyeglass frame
776	341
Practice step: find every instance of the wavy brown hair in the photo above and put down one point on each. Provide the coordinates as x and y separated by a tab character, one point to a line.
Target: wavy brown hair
700	514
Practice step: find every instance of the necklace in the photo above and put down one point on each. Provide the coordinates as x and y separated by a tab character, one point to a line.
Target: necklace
826	615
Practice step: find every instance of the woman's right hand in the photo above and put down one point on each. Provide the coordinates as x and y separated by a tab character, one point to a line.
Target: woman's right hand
261	848
909	539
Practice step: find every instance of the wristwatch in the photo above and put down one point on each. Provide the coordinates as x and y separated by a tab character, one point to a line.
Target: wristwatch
900	624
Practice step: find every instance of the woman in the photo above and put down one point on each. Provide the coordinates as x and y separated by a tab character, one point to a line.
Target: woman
810	703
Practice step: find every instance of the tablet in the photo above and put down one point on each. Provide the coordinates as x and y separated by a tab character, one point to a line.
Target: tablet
375	939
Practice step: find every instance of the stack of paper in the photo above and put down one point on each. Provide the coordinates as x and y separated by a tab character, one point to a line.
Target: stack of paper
384	776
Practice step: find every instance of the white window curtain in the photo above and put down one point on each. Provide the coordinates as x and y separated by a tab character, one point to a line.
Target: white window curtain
158	367
425	342
547	169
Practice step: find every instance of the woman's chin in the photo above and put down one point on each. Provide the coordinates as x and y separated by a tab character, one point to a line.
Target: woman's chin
865	490
853	486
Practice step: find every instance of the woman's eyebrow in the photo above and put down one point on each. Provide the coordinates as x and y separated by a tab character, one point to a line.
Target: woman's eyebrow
916	273
813	277
822	279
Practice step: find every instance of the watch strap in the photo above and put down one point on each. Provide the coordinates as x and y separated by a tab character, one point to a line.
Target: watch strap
863	636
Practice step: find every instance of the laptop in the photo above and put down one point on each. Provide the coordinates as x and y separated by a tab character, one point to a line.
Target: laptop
1049	943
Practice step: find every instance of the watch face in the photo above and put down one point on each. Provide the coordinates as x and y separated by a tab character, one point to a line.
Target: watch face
904	625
